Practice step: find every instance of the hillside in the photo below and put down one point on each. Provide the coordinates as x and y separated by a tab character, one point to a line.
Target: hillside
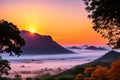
104	60
109	57
42	44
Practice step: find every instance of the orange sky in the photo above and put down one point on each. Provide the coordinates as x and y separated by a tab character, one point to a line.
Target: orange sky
65	20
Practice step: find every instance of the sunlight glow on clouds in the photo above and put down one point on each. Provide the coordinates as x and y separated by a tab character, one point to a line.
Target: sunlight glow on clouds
64	18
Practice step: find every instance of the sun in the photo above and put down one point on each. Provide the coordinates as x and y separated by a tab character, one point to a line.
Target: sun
32	30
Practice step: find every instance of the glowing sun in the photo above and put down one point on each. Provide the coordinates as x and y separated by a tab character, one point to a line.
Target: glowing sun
32	30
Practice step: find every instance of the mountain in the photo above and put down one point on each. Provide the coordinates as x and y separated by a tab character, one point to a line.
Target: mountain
84	46
74	47
43	44
106	59
87	47
95	48
109	57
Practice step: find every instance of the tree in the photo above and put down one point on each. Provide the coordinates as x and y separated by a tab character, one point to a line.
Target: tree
10	42
4	67
79	77
114	71
105	15
88	71
100	73
10	39
65	78
17	77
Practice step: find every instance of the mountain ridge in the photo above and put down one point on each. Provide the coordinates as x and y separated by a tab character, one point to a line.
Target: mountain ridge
42	44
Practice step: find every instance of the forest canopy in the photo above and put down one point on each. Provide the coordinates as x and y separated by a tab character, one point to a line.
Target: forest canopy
105	15
10	39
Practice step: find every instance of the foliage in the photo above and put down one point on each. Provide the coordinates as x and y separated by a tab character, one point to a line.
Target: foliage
79	77
28	78
10	42
65	78
49	78
10	39
95	73
105	16
114	72
3	78
17	77
39	79
88	71
101	73
71	72
4	67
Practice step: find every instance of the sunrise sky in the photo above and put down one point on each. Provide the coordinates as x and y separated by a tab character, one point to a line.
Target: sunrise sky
65	20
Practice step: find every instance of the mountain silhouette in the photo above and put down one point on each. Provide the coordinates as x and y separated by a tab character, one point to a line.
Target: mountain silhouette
95	48
106	59
109	57
42	44
74	47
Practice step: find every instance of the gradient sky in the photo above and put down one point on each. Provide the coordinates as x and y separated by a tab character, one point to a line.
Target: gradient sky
65	20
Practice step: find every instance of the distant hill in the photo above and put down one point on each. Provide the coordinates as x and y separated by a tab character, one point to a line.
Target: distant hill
109	57
104	60
74	47
95	48
84	46
87	47
43	44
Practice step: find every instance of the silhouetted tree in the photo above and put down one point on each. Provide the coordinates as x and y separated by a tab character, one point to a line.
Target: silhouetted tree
10	39
105	16
10	42
4	67
17	77
28	78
